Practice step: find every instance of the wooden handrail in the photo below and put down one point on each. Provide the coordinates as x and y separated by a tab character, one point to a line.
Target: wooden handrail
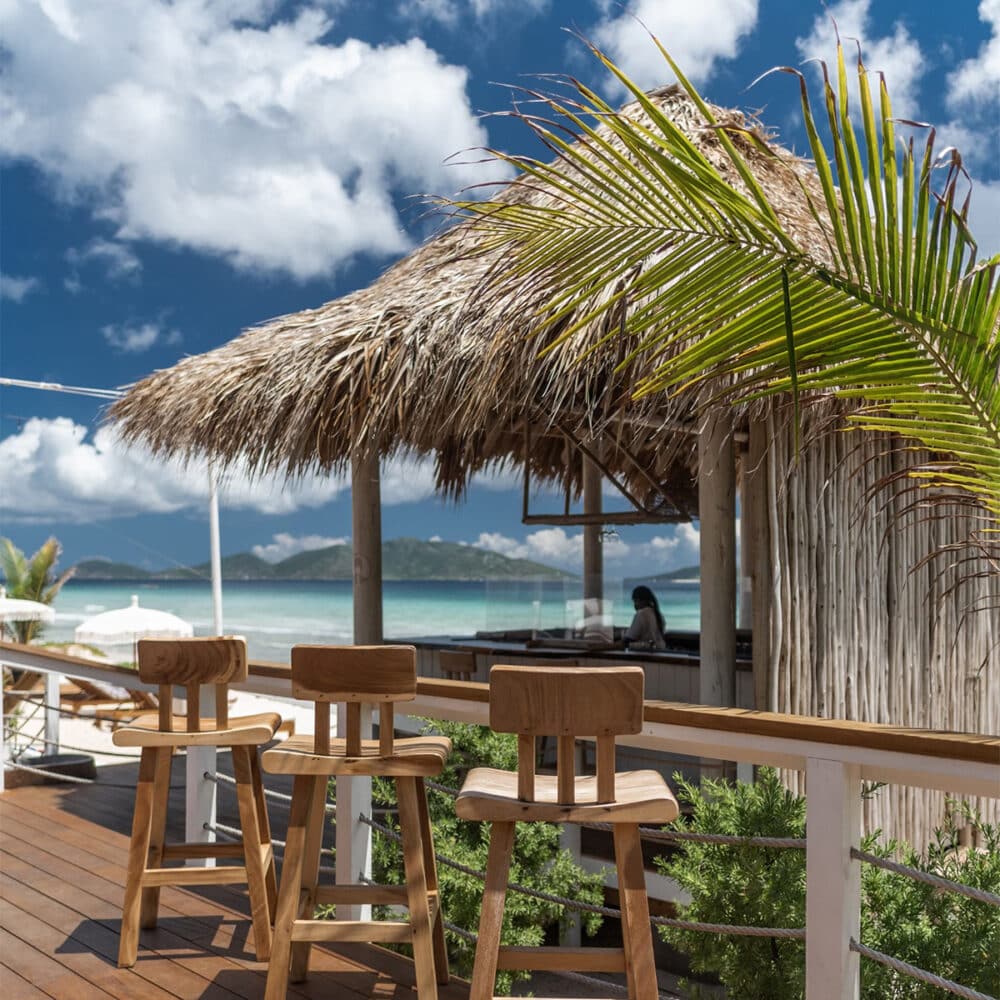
972	747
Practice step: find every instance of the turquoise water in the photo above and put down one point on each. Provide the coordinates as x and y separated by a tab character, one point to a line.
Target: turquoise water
274	616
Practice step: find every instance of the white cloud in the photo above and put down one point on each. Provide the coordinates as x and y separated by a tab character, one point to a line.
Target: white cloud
136	339
16	289
973	95
696	35
208	124
449	12
54	472
120	261
283	545
556	547
977	80
898	55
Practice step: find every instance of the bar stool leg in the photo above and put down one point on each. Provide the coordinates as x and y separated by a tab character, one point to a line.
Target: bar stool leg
253	852
430	867
157	829
416	884
310	874
270	878
484	971
138	851
288	894
637	932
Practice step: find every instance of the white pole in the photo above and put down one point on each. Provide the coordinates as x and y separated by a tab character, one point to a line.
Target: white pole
200	794
52	682
3	730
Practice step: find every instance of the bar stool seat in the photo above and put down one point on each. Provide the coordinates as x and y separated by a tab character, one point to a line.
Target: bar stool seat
356	676
416	756
192	663
566	703
244	730
491	795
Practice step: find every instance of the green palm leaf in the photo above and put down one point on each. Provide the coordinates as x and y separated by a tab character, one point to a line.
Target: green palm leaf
890	309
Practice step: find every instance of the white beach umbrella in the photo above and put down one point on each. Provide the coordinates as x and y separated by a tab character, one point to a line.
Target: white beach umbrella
127	625
14	609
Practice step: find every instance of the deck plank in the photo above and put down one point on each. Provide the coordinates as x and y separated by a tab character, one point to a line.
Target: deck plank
62	877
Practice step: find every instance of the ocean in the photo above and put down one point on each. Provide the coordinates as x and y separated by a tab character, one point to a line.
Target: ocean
274	616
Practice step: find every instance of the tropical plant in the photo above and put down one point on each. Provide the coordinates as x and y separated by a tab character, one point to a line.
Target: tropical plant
950	935
537	863
889	309
31	579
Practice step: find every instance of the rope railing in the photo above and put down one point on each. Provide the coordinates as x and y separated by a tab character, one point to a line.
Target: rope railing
920	974
920	876
330	807
49	774
604	911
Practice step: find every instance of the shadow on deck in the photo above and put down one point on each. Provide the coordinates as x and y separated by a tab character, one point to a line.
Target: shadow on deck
63	850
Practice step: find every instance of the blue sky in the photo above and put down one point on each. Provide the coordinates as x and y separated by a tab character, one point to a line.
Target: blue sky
174	172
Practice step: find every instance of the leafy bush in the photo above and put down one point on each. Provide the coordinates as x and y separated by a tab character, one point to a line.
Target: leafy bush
538	861
945	933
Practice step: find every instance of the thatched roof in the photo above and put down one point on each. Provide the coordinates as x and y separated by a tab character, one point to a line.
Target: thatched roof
421	360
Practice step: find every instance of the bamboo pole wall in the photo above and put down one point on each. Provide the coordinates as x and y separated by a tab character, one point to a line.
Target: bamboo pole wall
859	629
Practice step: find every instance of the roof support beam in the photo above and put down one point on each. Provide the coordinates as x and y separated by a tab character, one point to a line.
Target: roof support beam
593	554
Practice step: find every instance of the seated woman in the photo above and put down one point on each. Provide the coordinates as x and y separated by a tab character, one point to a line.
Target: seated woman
646	630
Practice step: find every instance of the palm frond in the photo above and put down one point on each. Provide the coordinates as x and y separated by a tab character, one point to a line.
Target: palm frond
891	310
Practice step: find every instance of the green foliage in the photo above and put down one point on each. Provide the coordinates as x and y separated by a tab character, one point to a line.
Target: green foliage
538	862
945	933
762	887
31	579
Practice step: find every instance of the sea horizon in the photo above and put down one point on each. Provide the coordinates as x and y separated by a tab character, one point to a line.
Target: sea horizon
274	615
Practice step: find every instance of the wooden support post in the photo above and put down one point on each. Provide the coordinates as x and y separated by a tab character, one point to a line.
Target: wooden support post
717	518
354	795
755	515
52	681
833	879
366	537
593	553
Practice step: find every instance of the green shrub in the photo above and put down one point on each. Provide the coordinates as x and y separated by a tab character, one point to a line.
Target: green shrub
538	861
945	933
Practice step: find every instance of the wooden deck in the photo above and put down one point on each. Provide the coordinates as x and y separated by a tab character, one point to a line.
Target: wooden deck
62	874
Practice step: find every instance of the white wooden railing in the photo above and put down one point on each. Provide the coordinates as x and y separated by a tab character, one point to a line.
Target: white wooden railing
836	757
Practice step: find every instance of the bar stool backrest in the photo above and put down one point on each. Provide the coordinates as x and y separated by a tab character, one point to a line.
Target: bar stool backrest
456	664
566	702
356	675
190	663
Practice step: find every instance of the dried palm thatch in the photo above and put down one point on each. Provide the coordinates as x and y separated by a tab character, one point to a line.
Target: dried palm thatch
421	361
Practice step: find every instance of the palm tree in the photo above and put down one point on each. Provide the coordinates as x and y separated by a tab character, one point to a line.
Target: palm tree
894	313
32	579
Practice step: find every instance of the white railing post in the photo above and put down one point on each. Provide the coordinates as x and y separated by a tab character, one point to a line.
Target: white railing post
199	792
52	683
833	879
353	838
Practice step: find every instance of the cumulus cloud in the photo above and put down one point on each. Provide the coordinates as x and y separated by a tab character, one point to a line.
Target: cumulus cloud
450	12
227	128
17	289
697	36
135	339
54	471
557	547
283	545
973	95
898	55
120	261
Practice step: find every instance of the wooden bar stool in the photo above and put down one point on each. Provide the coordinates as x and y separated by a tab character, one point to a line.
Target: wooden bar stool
457	665
567	702
191	663
357	675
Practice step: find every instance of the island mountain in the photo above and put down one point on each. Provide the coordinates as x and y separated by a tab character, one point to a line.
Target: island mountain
402	559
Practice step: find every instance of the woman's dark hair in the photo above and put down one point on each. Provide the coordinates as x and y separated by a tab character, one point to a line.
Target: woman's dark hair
648	599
